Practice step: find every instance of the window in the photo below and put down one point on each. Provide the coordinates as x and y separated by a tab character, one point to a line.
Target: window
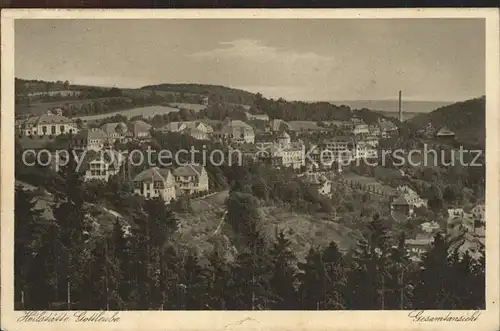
62	128
53	129
44	129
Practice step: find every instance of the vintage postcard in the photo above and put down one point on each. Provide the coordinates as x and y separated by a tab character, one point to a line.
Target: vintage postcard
250	169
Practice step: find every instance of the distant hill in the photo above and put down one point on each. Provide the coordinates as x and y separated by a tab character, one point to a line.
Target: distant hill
216	92
466	119
390	106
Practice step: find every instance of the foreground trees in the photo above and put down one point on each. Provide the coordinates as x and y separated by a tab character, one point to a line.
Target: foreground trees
64	263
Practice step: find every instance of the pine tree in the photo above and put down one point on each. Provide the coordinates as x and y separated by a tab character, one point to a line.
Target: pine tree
73	232
252	275
369	275
284	276
432	288
400	271
324	279
219	281
34	245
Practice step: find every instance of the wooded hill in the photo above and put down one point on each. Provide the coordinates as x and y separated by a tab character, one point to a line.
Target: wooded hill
466	119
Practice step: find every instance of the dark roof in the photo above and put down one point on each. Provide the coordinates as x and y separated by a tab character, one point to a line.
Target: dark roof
153	174
188	170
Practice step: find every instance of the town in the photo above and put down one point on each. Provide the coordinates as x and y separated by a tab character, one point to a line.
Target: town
305	183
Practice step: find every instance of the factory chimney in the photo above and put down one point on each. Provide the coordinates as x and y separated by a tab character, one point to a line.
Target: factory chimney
400	109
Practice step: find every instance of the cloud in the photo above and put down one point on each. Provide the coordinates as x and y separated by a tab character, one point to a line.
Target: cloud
254	50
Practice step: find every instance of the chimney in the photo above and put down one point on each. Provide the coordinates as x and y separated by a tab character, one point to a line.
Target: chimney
399	108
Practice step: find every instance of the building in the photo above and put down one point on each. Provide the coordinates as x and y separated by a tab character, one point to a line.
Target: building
370	140
191	179
140	129
347	126
195	129
406	201
418	246
361	128
236	131
89	139
155	183
375	130
320	182
411	196
428	130
204	101
55	111
102	166
478	212
48	125
387	128
282	152
445	133
115	131
257	117
338	148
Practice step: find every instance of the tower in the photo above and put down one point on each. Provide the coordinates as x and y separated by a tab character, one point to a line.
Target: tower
400	109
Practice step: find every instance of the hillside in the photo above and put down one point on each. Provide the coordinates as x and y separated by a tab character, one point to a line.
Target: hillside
221	93
466	119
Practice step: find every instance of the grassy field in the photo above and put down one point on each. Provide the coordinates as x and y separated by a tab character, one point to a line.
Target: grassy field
190	106
145	112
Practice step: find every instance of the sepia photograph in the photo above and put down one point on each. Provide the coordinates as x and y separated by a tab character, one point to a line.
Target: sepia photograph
250	163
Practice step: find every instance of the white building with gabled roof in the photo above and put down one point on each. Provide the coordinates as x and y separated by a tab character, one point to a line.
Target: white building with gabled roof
154	183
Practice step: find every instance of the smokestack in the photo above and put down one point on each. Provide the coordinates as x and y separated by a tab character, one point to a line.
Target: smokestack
399	108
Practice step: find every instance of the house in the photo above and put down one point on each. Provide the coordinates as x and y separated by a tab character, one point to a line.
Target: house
55	111
445	133
195	129
370	140
411	196
102	166
343	125
359	126
195	133
478	212
139	129
190	179
418	246
205	100
48	125
429	227
236	131
115	131
89	139
374	130
406	201
320	182
257	117
428	130
155	183
387	128
402	206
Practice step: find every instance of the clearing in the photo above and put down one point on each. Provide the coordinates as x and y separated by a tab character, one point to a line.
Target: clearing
146	112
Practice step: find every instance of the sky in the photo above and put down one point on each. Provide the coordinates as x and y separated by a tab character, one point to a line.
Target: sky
296	59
